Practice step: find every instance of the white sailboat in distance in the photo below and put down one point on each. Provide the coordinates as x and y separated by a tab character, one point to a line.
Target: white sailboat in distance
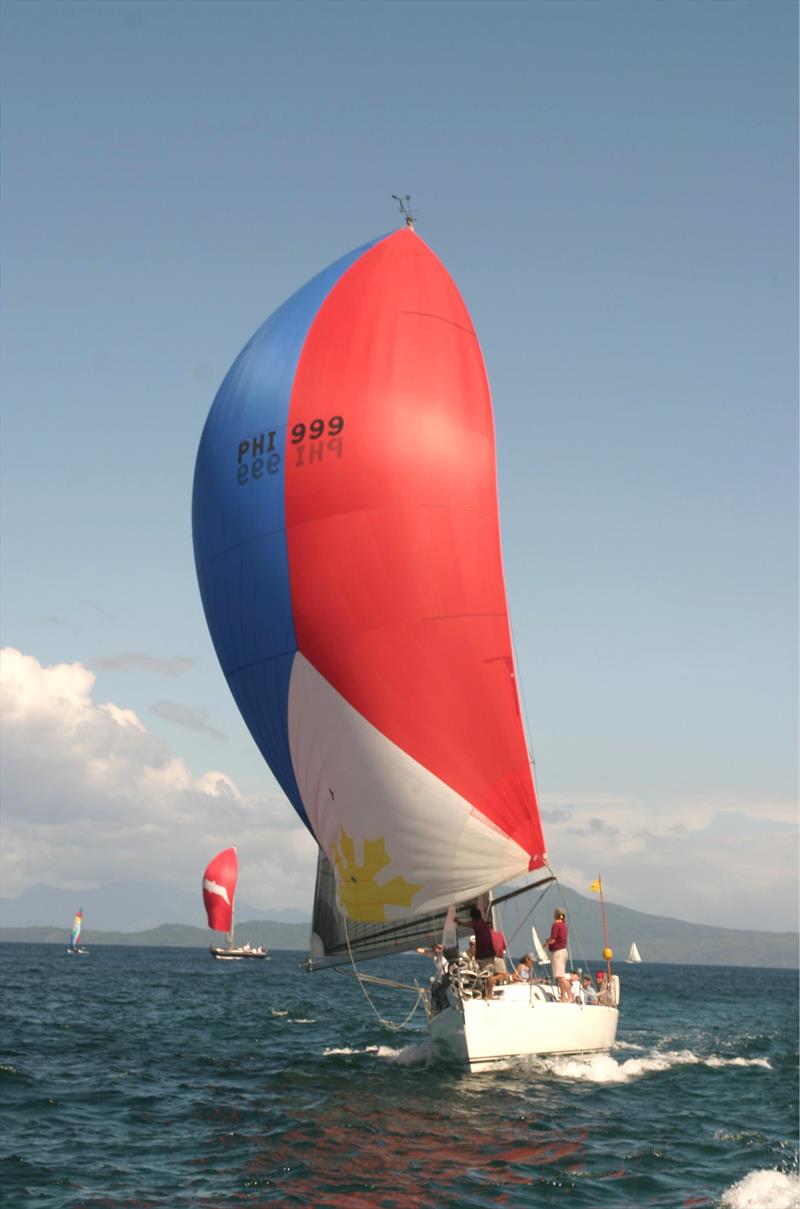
633	955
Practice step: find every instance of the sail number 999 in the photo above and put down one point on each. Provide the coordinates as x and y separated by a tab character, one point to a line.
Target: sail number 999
316	429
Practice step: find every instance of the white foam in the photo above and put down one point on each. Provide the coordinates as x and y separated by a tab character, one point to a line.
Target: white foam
410	1055
275	1012
764	1190
714	1061
418	1054
602	1068
383	1051
301	1020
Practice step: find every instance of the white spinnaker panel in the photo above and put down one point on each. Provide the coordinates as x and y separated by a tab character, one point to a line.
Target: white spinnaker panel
357	785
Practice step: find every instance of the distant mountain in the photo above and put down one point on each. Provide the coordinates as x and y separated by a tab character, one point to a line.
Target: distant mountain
659	939
134	906
273	935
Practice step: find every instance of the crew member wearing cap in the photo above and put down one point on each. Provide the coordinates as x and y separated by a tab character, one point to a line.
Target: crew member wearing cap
437	956
557	944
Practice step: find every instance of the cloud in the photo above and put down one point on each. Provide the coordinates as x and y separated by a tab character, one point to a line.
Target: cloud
91	796
595	827
139	661
192	717
695	858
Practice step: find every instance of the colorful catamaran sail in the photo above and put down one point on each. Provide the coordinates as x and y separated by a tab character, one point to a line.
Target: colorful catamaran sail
77	924
347	545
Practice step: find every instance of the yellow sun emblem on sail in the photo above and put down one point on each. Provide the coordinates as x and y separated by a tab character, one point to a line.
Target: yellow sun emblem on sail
360	898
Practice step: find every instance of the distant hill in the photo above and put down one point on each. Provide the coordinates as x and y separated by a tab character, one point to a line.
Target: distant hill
659	939
258	932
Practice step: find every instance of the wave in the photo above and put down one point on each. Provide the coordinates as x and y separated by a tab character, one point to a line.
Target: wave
602	1068
417	1054
759	1189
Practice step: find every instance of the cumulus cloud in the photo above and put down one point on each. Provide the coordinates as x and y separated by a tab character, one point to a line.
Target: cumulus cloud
90	796
696	858
193	717
139	661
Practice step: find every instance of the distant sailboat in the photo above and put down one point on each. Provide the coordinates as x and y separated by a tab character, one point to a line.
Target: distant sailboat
74	947
219	888
633	954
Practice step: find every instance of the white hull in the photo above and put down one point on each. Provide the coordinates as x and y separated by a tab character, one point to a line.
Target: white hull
237	954
76	951
483	1033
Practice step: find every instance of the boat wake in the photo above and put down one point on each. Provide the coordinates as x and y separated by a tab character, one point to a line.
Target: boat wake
603	1068
761	1188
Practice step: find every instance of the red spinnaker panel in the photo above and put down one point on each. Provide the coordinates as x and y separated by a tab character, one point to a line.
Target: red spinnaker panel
219	888
394	553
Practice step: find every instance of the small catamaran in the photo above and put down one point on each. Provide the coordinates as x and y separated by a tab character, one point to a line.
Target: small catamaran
347	544
75	948
219	891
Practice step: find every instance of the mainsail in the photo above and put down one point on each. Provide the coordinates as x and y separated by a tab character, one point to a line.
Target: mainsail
633	954
347	545
77	924
336	940
219	888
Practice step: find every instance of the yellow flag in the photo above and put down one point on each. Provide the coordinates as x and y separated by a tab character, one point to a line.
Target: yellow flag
595	886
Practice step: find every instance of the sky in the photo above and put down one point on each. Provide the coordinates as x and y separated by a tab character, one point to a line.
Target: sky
613	187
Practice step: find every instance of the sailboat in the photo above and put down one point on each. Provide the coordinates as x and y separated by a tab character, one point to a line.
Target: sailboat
219	890
347	546
633	954
75	947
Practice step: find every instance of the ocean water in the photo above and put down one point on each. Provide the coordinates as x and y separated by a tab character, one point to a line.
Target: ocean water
158	1077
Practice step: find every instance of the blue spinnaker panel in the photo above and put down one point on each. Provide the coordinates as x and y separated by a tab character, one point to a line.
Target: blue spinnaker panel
240	536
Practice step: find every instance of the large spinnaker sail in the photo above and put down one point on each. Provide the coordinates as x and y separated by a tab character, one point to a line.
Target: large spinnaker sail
77	924
348	551
219	889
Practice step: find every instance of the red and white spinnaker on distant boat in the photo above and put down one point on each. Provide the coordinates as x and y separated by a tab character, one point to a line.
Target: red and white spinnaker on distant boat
219	889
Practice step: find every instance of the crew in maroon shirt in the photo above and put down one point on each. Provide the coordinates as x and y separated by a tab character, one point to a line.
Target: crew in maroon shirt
485	953
558	936
557	944
484	944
